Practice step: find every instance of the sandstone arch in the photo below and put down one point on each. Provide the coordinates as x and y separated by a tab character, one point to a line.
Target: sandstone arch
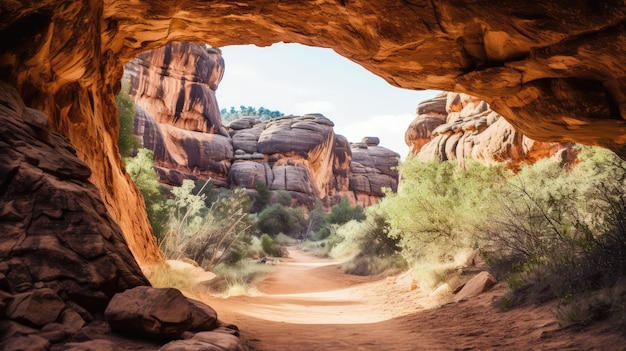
555	70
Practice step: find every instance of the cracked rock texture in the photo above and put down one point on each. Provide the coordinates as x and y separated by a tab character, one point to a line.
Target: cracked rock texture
455	126
554	69
301	155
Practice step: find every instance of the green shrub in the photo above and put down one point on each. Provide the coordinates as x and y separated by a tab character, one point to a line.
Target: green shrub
141	171
562	232
207	235
280	219
126	141
271	247
339	214
437	213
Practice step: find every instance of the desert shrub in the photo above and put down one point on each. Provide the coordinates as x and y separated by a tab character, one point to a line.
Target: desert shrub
364	265
163	276
339	214
126	141
277	219
271	247
369	245
437	213
562	232
262	198
207	235
284	198
238	279
141	171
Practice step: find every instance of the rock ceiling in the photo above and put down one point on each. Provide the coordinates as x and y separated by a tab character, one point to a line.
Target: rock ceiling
553	69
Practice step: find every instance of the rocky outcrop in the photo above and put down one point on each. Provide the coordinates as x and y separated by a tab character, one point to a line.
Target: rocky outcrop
372	169
178	116
455	126
63	257
555	70
301	155
304	156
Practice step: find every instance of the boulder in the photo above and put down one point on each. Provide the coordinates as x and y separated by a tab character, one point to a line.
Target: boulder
91	345
147	311
481	282
160	313
206	341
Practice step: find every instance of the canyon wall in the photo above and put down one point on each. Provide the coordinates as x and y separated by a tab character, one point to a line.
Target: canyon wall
454	126
555	70
178	118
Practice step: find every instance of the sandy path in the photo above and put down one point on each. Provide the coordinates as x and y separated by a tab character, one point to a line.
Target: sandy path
309	304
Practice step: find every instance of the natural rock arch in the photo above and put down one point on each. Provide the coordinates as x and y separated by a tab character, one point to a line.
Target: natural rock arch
555	70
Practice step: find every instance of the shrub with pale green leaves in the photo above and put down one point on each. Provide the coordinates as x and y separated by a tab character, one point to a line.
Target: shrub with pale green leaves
437	213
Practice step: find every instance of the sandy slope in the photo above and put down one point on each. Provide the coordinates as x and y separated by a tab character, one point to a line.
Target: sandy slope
309	304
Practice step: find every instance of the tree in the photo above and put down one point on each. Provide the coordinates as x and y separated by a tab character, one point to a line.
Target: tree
126	141
141	170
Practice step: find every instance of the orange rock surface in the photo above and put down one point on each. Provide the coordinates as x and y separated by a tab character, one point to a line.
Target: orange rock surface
555	69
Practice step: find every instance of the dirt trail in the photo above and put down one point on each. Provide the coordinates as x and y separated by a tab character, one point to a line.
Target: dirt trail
308	303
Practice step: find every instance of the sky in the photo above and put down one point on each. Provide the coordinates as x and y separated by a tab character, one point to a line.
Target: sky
297	79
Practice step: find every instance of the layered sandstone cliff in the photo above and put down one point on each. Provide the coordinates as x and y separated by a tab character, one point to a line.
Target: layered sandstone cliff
455	126
556	70
178	118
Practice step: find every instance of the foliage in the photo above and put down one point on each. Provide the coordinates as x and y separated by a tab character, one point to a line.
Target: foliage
367	245
262	199
339	214
141	171
437	213
280	219
229	115
562	233
238	279
271	247
315	221
284	198
207	235
126	141
163	276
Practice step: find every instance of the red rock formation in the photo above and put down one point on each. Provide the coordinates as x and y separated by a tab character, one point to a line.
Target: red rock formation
179	118
304	156
456	126
59	242
301	155
554	69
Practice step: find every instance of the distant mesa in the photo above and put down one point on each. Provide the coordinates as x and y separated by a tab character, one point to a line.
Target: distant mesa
177	117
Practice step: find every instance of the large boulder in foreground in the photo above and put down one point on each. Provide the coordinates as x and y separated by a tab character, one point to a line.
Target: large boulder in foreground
159	313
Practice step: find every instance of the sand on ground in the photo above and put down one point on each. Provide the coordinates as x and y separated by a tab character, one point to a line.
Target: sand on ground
308	303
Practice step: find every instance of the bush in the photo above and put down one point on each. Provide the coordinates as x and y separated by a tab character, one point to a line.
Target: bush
207	235
437	214
280	219
238	279
271	247
141	171
340	213
563	233
126	141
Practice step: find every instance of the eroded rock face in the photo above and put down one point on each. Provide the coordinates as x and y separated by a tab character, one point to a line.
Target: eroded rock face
455	126
178	116
554	69
301	155
304	156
